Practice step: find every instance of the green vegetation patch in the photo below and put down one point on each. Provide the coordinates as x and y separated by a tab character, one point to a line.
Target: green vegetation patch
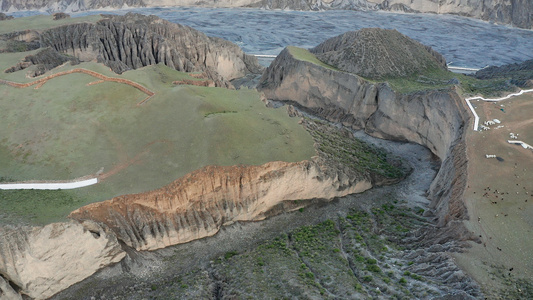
72	126
339	145
41	22
433	79
305	55
271	271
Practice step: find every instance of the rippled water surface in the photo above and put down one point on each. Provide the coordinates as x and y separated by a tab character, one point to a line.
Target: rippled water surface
463	41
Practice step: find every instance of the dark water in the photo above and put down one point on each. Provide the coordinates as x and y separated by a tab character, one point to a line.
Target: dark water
463	41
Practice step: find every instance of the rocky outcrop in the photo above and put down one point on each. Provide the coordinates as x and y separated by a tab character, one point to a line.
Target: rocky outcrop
60	15
133	41
4	17
44	61
198	204
378	53
41	261
19	41
435	119
515	12
519	74
518	13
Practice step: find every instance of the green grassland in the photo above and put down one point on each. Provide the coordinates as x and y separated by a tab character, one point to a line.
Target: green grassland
304	55
41	22
67	129
430	79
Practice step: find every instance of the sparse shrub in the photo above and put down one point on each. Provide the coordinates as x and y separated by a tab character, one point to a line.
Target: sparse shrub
230	254
373	268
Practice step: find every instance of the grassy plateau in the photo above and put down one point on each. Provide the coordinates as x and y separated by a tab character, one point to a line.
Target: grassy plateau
67	129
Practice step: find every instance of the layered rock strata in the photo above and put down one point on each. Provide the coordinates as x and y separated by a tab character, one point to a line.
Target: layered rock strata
41	261
133	41
435	119
515	12
198	204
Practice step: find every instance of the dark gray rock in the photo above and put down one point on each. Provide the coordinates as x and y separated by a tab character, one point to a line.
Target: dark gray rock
5	17
60	15
133	41
44	61
519	74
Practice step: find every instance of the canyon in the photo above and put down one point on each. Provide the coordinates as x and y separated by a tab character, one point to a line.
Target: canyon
433	118
326	82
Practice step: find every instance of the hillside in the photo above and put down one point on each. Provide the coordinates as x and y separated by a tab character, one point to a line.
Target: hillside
177	158
100	125
378	54
427	107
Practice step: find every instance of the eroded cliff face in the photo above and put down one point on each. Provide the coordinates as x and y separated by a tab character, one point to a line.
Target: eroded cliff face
515	12
41	261
133	41
198	204
435	119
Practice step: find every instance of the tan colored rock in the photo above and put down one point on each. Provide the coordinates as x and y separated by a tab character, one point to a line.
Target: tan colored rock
7	292
45	260
198	204
434	118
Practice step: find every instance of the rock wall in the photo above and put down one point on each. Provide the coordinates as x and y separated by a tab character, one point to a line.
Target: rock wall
435	119
518	13
133	41
41	261
198	204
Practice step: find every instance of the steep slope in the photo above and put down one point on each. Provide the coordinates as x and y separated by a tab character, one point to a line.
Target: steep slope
515	12
42	261
434	118
519	74
377	53
133	41
198	204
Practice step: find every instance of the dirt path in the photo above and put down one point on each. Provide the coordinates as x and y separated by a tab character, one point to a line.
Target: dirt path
40	82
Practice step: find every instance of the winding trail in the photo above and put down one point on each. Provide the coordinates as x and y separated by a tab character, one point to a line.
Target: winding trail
41	81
